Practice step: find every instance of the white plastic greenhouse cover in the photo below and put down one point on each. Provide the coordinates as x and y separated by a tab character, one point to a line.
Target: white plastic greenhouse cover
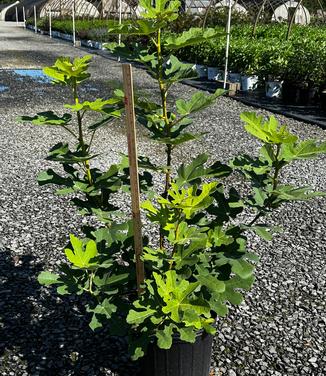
112	7
234	5
282	13
82	7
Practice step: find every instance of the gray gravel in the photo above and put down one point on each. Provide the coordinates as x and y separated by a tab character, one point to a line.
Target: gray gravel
279	330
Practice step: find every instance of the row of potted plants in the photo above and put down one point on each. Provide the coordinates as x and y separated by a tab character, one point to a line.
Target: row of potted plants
268	57
299	62
196	262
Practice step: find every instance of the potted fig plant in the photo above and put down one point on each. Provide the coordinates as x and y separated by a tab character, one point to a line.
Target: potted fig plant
196	261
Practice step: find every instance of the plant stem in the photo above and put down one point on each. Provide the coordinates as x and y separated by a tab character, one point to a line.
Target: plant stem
175	245
91	140
91	277
163	93
277	169
81	136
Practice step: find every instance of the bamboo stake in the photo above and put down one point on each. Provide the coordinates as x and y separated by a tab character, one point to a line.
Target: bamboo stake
133	168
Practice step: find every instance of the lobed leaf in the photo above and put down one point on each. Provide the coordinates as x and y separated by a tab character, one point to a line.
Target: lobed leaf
268	131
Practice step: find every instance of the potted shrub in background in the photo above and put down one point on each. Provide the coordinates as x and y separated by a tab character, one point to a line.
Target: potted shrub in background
274	63
236	59
196	261
249	64
305	72
215	59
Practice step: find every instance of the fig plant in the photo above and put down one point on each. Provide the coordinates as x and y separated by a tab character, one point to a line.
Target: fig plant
199	262
91	188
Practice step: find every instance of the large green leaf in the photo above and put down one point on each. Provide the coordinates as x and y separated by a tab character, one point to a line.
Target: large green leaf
137	317
175	70
67	71
50	176
47	118
190	37
61	153
166	10
190	200
211	283
242	268
164	337
134	27
48	278
303	150
103	310
290	193
196	170
98	105
269	131
219	237
79	257
187	334
198	102
181	233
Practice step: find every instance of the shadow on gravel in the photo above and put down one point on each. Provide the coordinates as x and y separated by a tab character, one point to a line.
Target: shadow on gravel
42	334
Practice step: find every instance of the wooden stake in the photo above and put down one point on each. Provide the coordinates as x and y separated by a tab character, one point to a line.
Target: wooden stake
133	168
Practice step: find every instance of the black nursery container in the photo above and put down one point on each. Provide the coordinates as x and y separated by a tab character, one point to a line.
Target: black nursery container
182	359
299	93
323	100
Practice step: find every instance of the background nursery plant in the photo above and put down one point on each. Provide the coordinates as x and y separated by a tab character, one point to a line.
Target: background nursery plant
199	262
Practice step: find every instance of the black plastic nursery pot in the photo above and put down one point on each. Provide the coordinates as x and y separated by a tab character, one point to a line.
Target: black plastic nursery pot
323	100
182	359
298	93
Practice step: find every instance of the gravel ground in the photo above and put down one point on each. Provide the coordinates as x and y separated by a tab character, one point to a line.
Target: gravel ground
279	330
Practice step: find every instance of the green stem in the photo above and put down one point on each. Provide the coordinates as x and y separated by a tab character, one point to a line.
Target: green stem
277	170
91	140
81	136
163	94
70	131
175	247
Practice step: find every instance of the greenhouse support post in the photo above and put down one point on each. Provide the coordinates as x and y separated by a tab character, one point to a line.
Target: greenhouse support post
292	19
73	24
120	20
35	20
24	17
133	168
228	28
50	22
